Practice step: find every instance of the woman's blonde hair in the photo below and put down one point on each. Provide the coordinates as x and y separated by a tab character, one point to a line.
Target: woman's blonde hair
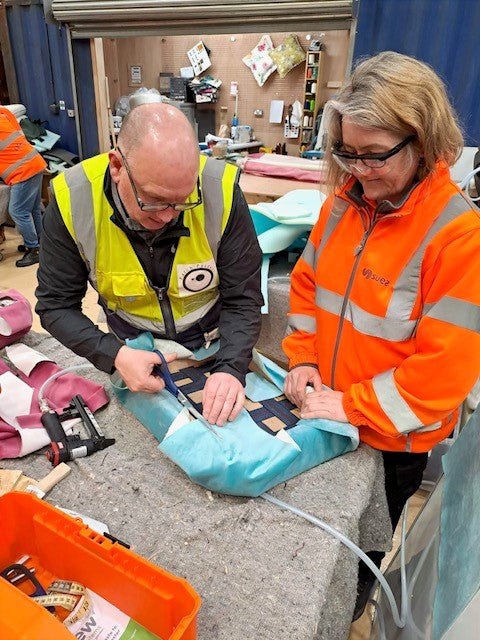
396	93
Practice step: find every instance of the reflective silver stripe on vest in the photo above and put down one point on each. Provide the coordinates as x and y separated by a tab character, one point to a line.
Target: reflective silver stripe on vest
395	407
405	289
391	329
83	217
13	136
181	324
213	204
308	254
460	313
301	322
339	206
13	167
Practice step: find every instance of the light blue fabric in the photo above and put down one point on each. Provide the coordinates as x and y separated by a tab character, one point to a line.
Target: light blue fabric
258	388
458	556
266	386
284	224
146	342
246	460
48	140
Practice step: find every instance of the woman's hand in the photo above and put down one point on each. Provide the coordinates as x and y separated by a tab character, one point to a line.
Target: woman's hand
297	380
324	404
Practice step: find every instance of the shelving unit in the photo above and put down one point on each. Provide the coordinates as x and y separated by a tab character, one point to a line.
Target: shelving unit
311	97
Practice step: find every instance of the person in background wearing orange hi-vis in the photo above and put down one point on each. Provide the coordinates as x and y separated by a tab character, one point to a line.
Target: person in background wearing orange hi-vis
385	299
21	167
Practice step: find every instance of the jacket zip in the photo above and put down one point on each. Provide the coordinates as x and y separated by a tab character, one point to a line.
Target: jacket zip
357	253
164	300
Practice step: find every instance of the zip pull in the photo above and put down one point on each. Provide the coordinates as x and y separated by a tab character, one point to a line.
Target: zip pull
161	293
360	247
150	250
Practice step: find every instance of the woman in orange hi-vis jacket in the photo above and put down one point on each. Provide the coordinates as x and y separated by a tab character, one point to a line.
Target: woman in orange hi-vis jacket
385	299
21	167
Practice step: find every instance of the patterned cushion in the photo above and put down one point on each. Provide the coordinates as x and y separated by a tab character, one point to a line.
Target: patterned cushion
288	55
259	60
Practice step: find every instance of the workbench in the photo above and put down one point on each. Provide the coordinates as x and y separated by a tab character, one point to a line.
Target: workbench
262	573
266	189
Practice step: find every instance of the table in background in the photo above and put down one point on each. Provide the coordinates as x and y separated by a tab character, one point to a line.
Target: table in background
266	189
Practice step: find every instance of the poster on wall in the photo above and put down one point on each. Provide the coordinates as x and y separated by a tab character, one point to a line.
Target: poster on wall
135	75
198	56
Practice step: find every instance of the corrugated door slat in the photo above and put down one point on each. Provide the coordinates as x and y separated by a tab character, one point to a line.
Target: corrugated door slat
102	18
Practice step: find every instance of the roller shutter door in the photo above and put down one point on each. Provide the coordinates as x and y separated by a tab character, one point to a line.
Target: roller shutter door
114	18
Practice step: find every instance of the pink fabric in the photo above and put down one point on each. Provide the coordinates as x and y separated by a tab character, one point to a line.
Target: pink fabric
18	316
276	171
58	394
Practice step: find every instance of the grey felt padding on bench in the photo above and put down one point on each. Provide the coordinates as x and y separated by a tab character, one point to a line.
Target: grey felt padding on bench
262	573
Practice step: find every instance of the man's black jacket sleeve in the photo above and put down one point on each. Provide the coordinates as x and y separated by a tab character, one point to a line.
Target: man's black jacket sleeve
62	284
239	264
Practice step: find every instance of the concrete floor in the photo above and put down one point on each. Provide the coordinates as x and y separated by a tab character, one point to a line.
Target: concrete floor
24	280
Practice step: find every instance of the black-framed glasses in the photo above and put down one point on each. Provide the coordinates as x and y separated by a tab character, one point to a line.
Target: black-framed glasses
160	206
348	161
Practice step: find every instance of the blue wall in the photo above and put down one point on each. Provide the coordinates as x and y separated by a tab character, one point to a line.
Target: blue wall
444	33
86	97
40	56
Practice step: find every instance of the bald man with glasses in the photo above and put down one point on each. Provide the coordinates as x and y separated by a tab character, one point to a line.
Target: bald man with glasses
165	237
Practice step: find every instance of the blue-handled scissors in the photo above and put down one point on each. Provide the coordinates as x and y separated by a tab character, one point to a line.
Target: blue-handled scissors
163	371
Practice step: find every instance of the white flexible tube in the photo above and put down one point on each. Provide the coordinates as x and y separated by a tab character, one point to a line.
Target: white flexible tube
404	608
466	180
42	402
353	547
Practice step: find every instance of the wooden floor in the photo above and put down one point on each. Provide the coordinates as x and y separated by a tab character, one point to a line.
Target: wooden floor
25	280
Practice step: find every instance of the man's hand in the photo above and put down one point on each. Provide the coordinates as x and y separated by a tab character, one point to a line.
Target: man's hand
324	404
136	369
297	380
223	398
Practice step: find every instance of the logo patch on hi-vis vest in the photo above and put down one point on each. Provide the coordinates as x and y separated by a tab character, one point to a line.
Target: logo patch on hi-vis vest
193	278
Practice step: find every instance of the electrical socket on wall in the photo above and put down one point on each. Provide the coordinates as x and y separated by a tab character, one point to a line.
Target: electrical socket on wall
258	113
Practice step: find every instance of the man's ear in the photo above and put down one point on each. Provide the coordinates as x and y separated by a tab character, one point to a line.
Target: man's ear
115	164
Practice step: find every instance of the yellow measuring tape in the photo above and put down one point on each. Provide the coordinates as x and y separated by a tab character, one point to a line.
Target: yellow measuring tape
57	600
61	593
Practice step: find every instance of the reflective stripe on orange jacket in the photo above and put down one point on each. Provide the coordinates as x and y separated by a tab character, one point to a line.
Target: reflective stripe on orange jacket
18	159
387	305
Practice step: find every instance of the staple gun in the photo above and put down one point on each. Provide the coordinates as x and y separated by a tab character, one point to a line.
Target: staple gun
65	447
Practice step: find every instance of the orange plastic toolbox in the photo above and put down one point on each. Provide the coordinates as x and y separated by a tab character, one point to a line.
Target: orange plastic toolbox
61	547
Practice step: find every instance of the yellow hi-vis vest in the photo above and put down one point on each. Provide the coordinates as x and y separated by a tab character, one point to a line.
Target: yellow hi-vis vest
116	273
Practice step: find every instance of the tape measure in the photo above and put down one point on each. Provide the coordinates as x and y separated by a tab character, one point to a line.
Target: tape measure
57	600
66	586
62	593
